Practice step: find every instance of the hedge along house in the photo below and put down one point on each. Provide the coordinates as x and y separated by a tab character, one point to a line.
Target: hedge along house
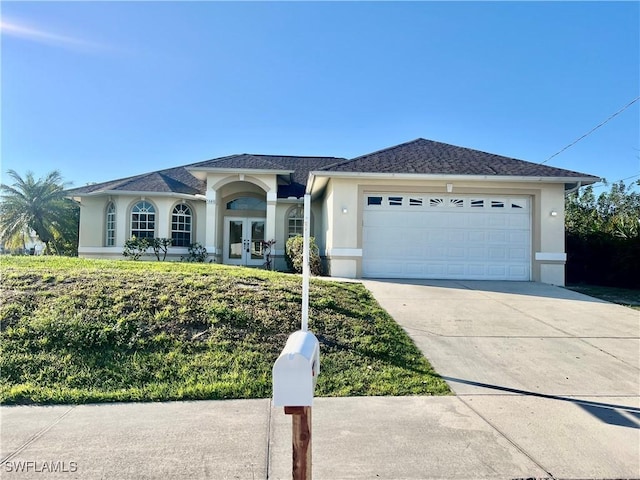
422	209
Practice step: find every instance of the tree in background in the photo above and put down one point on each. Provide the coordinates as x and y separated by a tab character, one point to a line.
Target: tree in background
39	205
603	237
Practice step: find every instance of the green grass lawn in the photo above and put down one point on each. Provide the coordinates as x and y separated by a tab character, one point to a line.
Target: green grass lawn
75	331
622	296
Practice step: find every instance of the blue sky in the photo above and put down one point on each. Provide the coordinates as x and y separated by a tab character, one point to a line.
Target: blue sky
104	90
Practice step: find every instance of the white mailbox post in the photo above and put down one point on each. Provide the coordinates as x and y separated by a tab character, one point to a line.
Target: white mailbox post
295	372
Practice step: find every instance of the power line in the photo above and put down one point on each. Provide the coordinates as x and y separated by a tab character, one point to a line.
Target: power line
592	130
603	184
632	176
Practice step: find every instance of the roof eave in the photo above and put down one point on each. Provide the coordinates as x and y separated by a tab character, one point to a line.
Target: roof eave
139	193
313	176
252	171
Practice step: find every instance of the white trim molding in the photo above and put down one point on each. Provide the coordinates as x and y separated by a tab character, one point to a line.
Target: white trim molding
96	250
551	257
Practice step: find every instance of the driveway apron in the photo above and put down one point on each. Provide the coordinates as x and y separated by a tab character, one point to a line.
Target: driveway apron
556	372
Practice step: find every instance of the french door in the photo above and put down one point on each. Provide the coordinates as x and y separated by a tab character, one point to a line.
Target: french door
243	239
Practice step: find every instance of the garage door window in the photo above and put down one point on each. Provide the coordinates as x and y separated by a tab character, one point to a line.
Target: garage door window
402	202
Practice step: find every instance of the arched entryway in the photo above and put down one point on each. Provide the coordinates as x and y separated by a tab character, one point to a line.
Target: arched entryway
244	230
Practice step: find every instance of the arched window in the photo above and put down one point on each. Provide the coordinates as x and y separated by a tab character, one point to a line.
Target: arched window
181	226
295	222
143	220
247	203
110	227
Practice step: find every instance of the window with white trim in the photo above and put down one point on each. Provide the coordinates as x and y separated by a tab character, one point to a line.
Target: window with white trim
110	227
295	222
143	220
181	223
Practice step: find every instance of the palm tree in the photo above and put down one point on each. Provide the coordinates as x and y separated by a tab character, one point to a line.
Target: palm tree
38	205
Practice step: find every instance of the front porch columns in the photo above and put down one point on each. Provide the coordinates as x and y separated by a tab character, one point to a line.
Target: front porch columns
211	223
270	228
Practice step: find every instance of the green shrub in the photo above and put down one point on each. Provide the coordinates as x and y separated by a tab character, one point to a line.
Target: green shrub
134	248
161	246
601	258
197	253
294	255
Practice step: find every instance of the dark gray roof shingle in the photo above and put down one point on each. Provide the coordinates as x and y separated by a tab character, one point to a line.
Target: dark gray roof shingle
422	156
243	161
172	180
180	180
298	166
418	156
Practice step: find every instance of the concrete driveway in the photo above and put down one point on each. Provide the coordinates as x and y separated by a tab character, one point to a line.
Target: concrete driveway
556	372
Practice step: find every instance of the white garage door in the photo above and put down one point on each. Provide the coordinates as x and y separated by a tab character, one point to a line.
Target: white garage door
446	236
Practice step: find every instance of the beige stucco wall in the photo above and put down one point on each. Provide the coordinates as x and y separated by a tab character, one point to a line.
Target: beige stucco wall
221	188
209	221
92	237
337	218
343	240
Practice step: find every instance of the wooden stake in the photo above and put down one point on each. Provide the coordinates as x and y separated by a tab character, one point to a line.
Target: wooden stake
301	439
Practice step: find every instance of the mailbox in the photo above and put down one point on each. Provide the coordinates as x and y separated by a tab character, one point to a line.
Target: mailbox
296	371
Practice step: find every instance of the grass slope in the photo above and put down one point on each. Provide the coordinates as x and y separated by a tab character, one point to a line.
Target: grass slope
75	331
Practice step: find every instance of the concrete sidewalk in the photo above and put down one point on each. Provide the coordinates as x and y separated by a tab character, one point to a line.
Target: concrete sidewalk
353	438
547	385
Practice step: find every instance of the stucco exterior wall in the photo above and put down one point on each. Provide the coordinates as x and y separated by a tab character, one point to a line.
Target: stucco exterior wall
92	220
92	236
337	217
221	188
549	253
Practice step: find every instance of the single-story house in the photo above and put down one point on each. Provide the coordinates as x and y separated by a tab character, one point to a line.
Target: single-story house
422	209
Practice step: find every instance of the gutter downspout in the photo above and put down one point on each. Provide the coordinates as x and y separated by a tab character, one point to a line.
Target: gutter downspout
571	190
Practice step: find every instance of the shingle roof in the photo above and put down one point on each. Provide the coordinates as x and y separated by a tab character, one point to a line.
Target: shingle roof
241	161
301	166
172	180
419	156
180	180
422	156
298	166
